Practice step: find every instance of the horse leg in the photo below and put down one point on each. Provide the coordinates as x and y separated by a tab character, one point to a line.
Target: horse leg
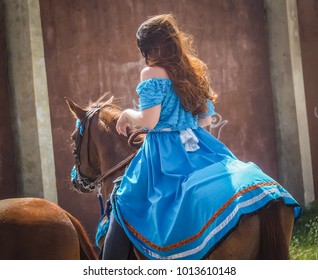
287	221
241	244
277	222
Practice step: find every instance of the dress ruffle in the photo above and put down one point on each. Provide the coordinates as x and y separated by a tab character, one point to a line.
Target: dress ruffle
157	91
151	92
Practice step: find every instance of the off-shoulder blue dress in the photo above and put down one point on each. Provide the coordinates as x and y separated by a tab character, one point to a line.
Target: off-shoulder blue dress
185	190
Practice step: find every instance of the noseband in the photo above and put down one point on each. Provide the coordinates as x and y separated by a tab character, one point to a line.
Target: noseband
85	182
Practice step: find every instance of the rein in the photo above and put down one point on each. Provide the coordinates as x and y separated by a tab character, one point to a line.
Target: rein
125	162
117	167
84	181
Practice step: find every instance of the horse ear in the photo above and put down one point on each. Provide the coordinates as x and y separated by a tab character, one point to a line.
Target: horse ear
76	110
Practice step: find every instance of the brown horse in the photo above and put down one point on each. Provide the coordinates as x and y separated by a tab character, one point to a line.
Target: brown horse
37	229
99	148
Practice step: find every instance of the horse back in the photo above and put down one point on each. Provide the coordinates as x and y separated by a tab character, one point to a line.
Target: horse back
34	228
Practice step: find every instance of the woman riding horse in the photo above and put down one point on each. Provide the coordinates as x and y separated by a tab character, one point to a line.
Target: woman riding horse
181	169
185	195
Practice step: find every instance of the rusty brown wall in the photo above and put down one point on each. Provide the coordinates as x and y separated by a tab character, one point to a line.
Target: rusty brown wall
90	48
8	187
308	26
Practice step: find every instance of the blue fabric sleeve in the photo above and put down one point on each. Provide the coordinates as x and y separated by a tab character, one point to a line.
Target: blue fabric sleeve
150	93
210	111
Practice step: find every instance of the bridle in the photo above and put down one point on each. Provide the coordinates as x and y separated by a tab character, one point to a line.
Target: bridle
77	178
81	125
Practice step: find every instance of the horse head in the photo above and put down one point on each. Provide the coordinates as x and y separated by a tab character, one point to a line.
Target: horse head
97	145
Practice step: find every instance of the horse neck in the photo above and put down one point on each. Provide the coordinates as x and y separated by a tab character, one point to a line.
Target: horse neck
113	149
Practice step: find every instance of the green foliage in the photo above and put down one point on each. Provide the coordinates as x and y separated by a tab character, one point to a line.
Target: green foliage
304	244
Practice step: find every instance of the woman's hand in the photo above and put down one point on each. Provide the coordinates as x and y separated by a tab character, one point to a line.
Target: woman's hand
147	118
123	123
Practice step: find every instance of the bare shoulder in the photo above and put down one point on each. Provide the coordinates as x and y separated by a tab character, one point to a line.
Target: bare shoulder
153	72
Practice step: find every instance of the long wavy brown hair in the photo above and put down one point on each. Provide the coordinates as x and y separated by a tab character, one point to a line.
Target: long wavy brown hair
162	44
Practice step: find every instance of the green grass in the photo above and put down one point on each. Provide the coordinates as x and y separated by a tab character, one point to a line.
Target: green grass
304	244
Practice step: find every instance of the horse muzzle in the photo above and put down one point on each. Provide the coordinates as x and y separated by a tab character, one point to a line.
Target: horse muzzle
81	183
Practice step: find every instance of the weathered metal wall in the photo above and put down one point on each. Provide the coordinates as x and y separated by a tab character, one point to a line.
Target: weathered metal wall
308	25
8	186
90	49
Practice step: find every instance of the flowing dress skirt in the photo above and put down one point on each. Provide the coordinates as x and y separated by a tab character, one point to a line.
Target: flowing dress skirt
175	204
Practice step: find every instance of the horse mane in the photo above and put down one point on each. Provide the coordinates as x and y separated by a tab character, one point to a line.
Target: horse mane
110	112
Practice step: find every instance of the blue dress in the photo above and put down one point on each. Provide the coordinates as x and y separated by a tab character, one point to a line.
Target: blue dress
185	190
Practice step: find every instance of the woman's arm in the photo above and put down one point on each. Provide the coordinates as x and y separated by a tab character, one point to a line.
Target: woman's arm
147	118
